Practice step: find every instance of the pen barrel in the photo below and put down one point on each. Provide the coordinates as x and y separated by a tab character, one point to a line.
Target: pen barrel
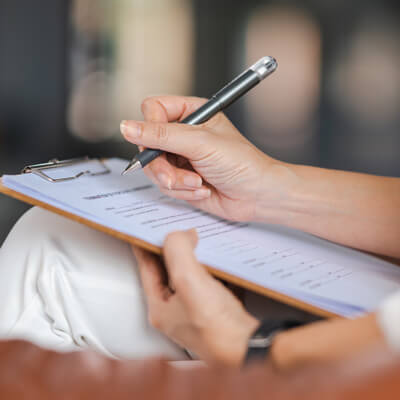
204	113
225	97
237	88
148	155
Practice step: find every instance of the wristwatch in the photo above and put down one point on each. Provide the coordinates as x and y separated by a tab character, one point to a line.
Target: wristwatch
260	342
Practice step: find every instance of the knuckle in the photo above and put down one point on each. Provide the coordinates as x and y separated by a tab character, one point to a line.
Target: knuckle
147	103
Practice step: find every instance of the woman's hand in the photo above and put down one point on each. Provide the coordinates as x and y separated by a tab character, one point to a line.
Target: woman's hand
212	166
200	313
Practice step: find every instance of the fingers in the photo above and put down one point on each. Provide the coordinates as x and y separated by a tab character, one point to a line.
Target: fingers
175	184
188	195
188	141
170	108
184	271
151	274
161	171
170	177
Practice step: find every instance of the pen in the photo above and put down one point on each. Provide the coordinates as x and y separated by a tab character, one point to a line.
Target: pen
225	97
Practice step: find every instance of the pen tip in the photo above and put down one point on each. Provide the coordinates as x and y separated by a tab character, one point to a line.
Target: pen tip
133	166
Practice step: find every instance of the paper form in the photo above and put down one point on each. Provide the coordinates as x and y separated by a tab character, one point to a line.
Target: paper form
315	271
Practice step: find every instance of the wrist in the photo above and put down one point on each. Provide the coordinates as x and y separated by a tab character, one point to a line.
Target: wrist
230	348
277	192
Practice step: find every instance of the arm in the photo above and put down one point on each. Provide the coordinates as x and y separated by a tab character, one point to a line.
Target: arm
357	210
326	342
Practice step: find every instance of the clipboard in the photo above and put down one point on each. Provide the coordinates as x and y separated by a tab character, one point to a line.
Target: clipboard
41	170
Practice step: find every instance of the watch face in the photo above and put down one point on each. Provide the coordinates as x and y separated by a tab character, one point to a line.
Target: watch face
260	342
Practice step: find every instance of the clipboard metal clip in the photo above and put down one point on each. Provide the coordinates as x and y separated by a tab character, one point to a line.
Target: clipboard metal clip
38	169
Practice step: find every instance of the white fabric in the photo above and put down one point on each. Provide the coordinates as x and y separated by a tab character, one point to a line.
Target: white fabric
389	320
67	287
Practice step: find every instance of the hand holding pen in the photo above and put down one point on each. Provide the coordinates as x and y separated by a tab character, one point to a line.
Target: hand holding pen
225	97
211	165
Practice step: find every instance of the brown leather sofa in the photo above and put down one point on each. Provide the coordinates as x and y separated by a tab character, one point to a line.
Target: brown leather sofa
27	372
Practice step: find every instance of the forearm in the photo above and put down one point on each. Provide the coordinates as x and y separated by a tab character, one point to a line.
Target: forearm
357	210
326	342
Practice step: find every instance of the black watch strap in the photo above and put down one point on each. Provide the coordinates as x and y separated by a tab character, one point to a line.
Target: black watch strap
260	342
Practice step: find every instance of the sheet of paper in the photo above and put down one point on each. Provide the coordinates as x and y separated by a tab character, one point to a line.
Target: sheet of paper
299	265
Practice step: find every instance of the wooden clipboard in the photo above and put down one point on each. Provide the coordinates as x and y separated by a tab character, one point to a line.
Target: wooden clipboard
291	301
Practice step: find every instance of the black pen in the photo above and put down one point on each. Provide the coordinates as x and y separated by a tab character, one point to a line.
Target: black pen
225	97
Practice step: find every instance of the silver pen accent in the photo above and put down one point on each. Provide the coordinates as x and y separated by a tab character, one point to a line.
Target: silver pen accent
133	166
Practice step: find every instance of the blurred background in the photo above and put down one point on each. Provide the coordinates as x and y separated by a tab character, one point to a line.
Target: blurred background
71	70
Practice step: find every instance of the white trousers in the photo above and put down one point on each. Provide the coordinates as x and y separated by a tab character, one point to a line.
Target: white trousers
67	287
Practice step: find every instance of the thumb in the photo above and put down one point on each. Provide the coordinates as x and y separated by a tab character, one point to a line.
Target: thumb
183	268
185	140
191	281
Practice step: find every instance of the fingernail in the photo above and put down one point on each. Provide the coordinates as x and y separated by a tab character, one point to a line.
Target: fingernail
165	180
192	181
131	129
123	127
202	193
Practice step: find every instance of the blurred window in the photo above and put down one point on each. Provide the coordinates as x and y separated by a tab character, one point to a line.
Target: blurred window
364	87
123	52
281	112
